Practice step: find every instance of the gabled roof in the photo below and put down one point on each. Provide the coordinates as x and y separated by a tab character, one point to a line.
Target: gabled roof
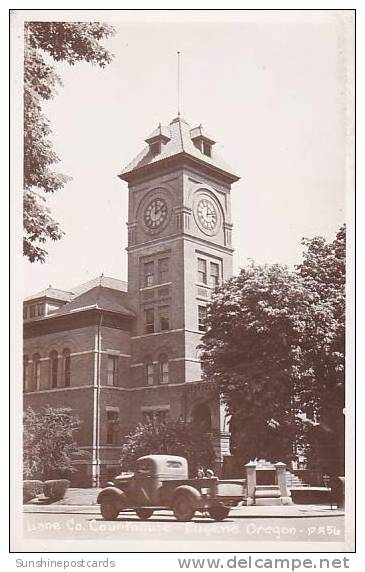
180	142
98	297
51	293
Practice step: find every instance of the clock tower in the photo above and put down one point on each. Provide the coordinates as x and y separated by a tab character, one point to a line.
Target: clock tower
179	250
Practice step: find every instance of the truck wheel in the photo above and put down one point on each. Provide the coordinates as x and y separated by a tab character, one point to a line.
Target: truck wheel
218	512
183	508
108	510
144	513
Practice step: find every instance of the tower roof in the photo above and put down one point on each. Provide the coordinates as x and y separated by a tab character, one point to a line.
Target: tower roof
178	139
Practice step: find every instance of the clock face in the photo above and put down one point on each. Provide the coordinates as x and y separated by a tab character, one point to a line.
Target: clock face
155	214
207	214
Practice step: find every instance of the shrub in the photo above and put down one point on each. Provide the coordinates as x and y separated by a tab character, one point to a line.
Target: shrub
55	489
49	442
171	438
31	489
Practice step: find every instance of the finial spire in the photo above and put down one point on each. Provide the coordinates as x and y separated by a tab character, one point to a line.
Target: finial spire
178	84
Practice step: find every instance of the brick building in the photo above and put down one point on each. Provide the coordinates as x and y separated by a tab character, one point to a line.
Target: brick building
117	353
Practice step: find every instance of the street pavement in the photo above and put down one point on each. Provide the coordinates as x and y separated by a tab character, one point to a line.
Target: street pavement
295	524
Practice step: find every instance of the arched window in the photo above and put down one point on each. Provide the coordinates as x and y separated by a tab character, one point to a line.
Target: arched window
163	369
66	369
36	373
149	370
53	368
25	373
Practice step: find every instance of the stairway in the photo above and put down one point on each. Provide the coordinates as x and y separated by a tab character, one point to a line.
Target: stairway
292	481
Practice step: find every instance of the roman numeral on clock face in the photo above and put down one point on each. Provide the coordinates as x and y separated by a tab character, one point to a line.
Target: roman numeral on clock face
207	214
155	213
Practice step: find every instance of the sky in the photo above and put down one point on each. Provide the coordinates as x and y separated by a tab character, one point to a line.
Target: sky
270	89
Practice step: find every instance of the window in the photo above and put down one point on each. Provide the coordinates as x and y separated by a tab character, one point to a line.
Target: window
32	311
40	309
25	312
147	417
214	274
202	316
174	464
155	148
53	368
112	373
163	369
163	270
154	418
149	371
112	425
161	417
202	270
66	368
25	372
148	273
36	373
149	320
164	319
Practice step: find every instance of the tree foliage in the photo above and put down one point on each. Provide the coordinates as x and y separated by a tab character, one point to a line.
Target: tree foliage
273	347
173	438
323	271
71	42
48	442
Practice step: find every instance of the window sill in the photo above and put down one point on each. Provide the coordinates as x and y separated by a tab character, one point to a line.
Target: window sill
144	288
203	285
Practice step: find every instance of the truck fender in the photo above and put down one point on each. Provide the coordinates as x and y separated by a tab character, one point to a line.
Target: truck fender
192	493
116	495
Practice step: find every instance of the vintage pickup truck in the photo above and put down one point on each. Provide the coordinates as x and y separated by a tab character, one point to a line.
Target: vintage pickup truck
161	482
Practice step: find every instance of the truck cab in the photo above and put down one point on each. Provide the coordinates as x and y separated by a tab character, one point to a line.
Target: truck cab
162	482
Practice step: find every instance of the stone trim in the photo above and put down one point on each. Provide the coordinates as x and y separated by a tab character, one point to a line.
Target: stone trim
157	333
147	288
102	387
108	352
148	408
195	360
182	236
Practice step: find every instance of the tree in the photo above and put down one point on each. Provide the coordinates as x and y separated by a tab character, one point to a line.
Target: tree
71	42
270	335
323	271
48	442
254	327
173	438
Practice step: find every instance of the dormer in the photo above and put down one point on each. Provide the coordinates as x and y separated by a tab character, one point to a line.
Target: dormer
45	303
159	137
201	140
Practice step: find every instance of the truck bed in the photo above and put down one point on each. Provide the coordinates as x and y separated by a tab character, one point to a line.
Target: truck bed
234	489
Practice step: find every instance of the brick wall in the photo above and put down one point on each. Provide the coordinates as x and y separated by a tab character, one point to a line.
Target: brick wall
79	401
